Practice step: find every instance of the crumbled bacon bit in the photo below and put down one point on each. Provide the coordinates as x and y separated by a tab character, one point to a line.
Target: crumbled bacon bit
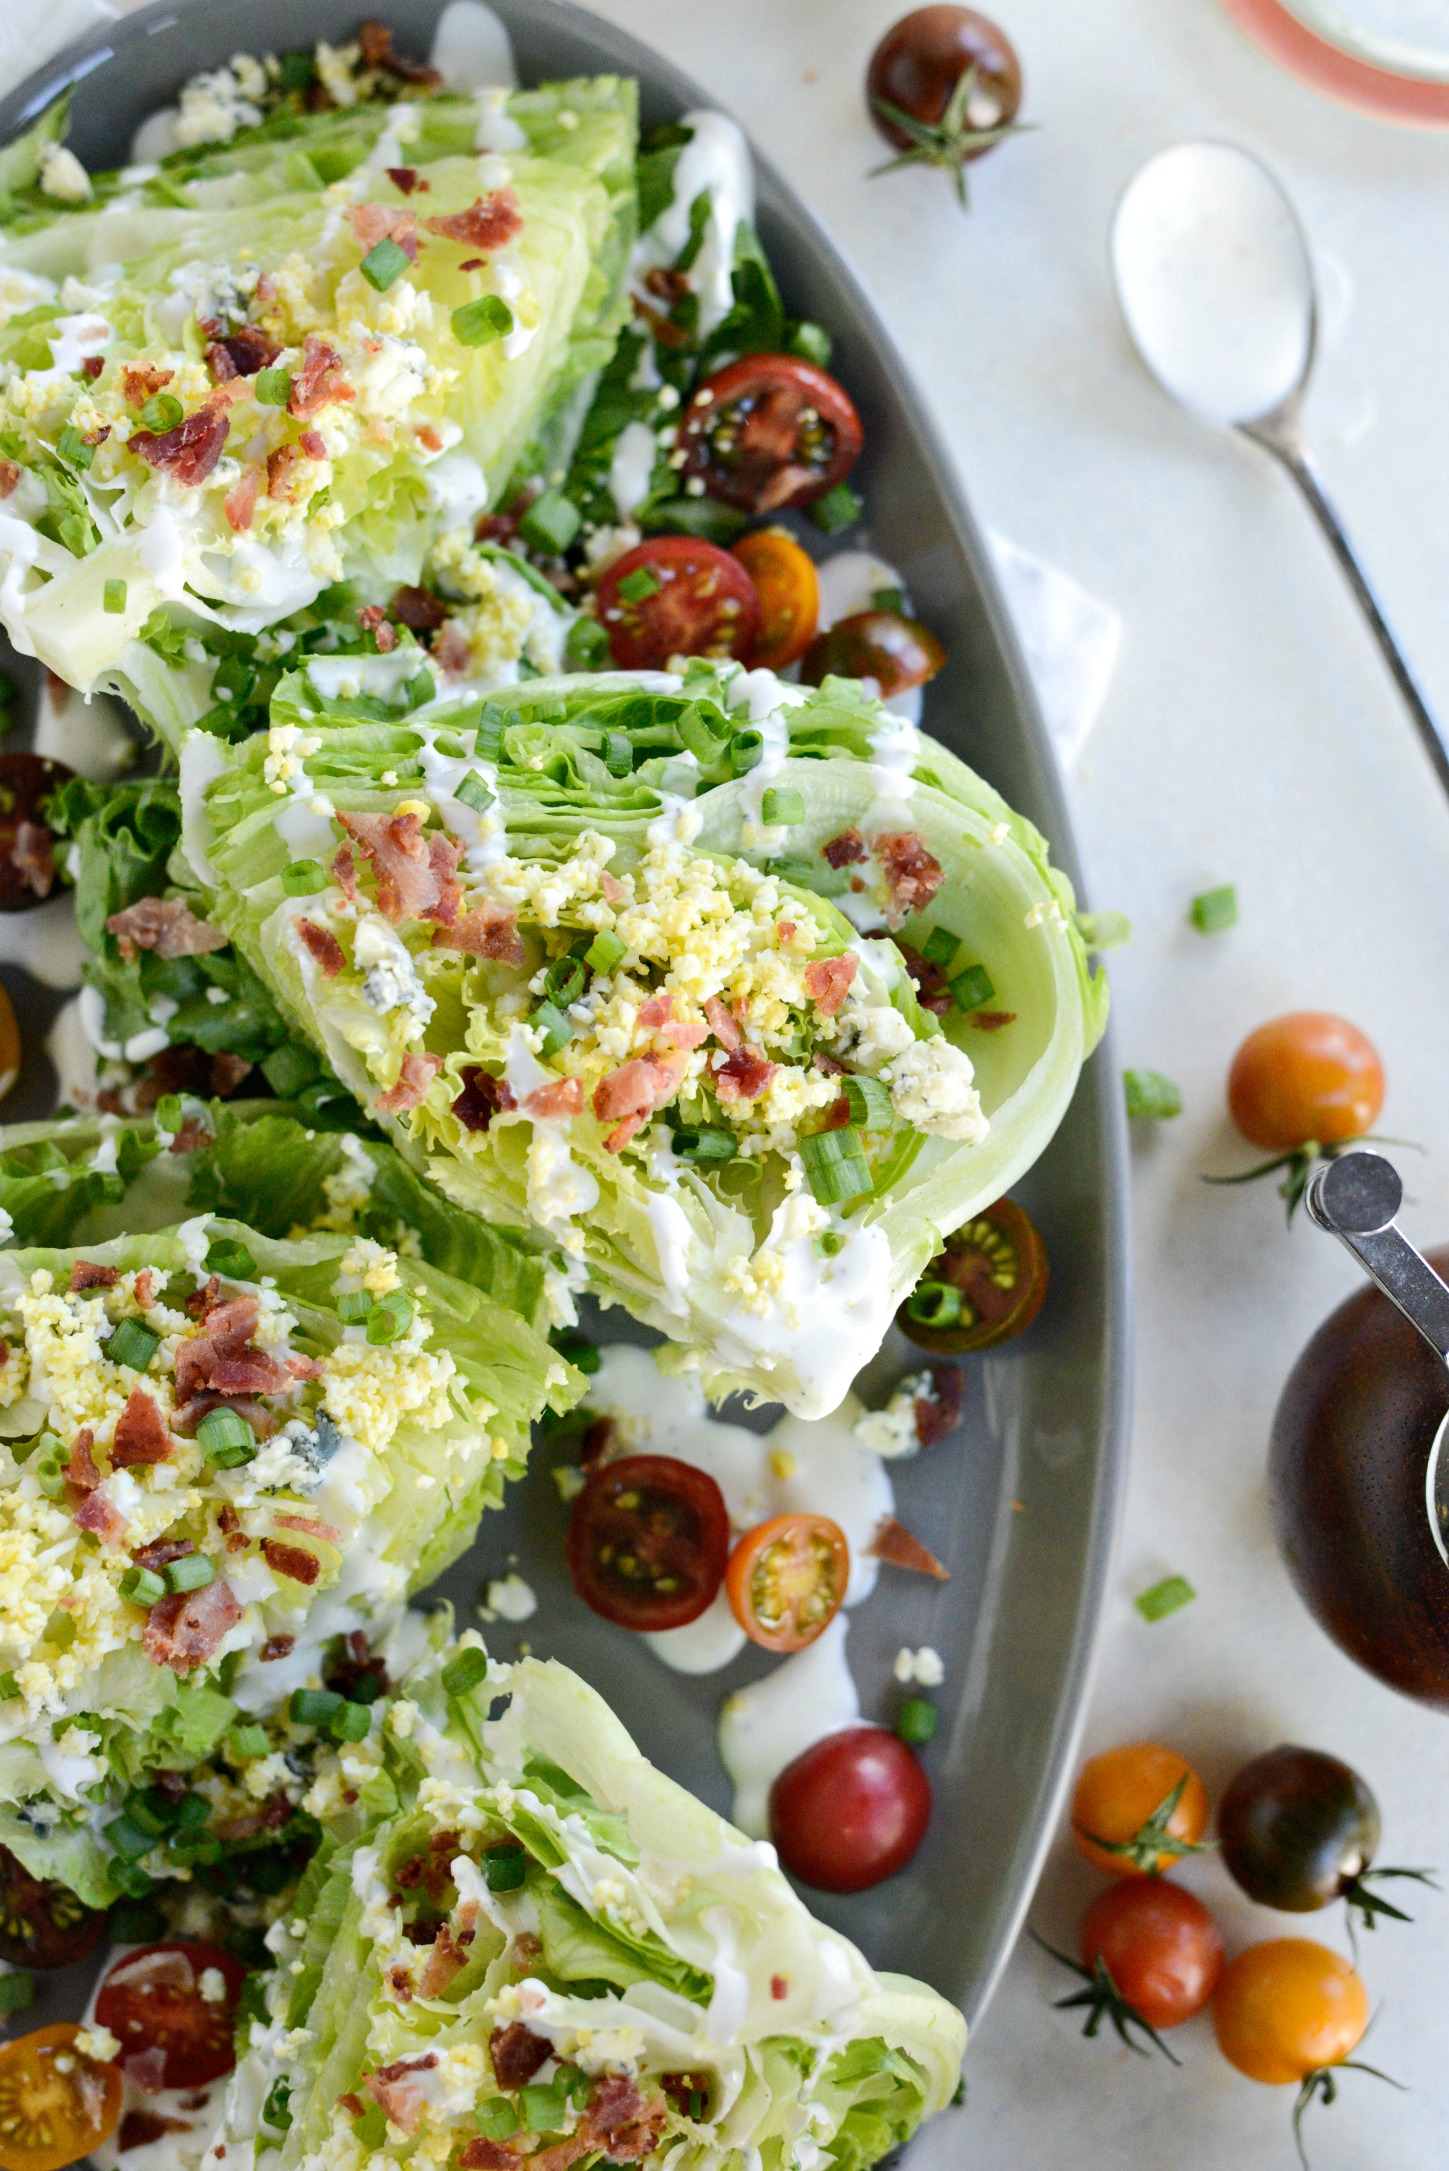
85	1275
482	1098
612	888
242	353
32	854
81	1469
405	179
187	1628
190	451
321	944
990	1021
450	650
138	2129
779	1988
352	2104
240	502
413	881
313	444
9	477
895	1544
145	1286
412	1084
448	1958
517	2054
141	1434
724	1024
373	619
319	382
484	930
292	1561
99	1515
282	475
743	1076
373	223
400	2096
429	438
912	874
844	850
375	44
164	925
555	1103
486	224
828	981
939	1413
636	1089
276	1647
418	609
837	1115
92	365
344	871
140	381
161	1550
933	990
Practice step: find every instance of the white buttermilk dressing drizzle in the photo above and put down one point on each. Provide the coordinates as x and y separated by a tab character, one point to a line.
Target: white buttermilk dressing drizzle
46	942
88	734
471	48
715	163
632	466
766	1726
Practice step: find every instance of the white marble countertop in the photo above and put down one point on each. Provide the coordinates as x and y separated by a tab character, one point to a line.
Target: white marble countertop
1250	736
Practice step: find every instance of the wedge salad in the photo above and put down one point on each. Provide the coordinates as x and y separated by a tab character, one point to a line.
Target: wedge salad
538	888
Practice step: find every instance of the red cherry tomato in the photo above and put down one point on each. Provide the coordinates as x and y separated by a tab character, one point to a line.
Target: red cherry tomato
160	1998
1306	1079
675	596
851	1810
787	1578
768	431
896	651
648	1541
1162	1948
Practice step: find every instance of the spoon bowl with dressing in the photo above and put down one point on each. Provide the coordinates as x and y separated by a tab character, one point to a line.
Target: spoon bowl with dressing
1215	281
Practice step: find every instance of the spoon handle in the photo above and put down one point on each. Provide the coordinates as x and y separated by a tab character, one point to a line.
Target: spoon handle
1288	447
1356	1198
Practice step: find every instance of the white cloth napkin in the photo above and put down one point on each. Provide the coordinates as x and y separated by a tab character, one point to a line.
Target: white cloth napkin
1069	639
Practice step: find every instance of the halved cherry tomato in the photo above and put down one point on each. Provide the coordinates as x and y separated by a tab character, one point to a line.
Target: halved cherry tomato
896	651
995	1267
789	592
10	1048
42	1924
769	431
1305	1079
851	1810
1117	1802
1161	1947
1288	2008
27	847
55	2105
648	1540
786	1580
179	1999
674	596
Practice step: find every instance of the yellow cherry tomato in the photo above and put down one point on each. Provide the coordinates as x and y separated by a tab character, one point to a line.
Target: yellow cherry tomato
1288	2008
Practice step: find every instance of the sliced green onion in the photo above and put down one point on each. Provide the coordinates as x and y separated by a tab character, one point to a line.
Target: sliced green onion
887	599
702	1142
226	1256
353	1306
551	523
747	750
50	1466
782	807
418	689
190	1813
701	733
17	1990
304	878
9	1687
638	586
161	412
830	1243
1165	1597
272	387
277	2108
127	1838
136	1922
113	598
491	724
473	792
870	1104
246	1743
72	448
586	645
605	951
351	1722
940	946
142	1586
1215	909
811	342
916	1720
972	987
839	508
565	979
297	71
464	1673
191	1573
556	1029
226	1439
496	2120
133	1345
504	1866
543	2106
835	1166
314	1707
170	1115
383	263
478	324
618	754
1150	1096
390	1317
288	1068
935	1304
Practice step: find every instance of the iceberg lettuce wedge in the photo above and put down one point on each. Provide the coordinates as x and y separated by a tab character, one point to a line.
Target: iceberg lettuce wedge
739	994
218	1452
548	1939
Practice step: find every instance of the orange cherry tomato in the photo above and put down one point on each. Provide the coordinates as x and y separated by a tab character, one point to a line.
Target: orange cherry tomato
10	1050
1288	2008
786	1580
1117	1799
789	595
55	2105
1308	1078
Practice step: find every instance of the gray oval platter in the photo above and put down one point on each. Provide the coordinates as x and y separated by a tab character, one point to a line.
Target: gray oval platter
1021	1504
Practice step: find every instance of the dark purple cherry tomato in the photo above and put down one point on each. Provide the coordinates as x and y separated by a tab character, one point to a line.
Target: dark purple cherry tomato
769	431
649	1541
43	1925
27	848
986	1285
896	651
943	86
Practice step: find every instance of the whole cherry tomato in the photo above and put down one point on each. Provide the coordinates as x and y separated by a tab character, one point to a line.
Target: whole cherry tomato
851	1810
896	651
673	596
1118	1805
1288	2008
944	85
1305	1079
1160	1945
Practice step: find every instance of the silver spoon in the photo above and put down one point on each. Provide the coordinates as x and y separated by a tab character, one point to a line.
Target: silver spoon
1356	1198
1215	281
